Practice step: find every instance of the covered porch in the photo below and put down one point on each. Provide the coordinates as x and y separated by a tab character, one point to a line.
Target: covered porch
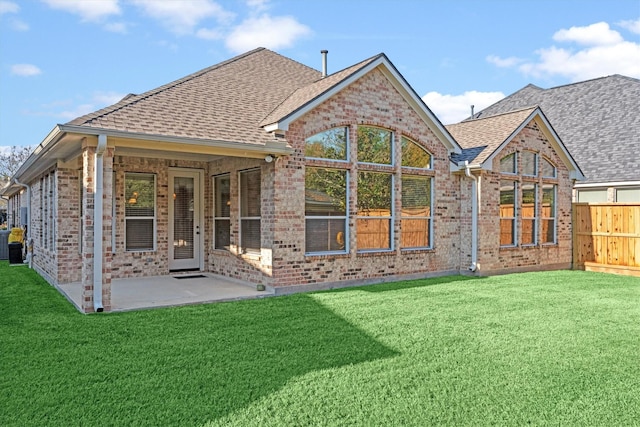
168	291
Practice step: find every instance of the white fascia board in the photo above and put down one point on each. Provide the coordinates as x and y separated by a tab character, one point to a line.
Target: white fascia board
609	184
275	147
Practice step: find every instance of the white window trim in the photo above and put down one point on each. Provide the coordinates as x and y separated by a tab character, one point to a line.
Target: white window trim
535	213
391	218
516	211
429	218
243	250
155	214
345	218
555	215
216	218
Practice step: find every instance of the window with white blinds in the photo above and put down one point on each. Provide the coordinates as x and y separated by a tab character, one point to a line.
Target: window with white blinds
140	211
250	208
222	209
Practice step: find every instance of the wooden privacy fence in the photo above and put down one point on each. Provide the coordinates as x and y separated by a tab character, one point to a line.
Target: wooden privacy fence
606	237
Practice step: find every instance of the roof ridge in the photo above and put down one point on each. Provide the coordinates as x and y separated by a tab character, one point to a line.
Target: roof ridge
592	80
131	99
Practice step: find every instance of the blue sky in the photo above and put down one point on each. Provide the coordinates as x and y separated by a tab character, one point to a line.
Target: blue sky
60	59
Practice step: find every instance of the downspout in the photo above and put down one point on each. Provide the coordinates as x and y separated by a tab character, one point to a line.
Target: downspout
474	218
98	215
26	238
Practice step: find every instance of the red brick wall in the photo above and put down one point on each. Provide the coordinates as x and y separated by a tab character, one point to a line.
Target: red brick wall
495	259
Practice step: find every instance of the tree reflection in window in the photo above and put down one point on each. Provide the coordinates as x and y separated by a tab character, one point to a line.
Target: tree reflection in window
330	144
374	145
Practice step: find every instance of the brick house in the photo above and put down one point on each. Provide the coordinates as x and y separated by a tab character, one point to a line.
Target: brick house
265	170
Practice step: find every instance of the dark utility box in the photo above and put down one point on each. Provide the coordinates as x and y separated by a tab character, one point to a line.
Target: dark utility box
15	253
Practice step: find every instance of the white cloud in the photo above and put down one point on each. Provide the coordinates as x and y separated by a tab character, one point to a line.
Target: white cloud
633	26
210	34
503	62
598	34
107	98
8	7
266	31
25	70
455	108
181	17
601	51
19	25
94	10
116	27
258	5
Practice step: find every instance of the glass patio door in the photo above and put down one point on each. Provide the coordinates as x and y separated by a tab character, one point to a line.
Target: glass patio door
185	227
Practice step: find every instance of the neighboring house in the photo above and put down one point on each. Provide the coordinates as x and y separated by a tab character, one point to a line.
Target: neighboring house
599	122
265	170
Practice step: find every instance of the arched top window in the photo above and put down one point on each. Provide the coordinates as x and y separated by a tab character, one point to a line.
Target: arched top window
374	145
548	169
508	164
330	144
414	156
529	161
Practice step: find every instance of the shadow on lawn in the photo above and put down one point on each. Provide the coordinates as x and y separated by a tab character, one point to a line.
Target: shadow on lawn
182	366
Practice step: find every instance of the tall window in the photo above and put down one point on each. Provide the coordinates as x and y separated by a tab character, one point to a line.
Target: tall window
416	212
529	212
548	213
250	208
507	213
374	145
529	161
222	209
325	210
375	213
140	211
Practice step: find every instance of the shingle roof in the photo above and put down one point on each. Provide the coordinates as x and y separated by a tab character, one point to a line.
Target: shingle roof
479	138
224	102
308	93
598	121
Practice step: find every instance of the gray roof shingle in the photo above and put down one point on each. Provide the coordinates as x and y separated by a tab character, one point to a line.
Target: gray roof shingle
598	121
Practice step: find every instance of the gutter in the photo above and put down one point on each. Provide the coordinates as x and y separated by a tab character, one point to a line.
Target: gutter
474	217
98	216
28	224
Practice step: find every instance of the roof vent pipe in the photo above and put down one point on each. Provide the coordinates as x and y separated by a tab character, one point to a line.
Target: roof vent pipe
472	110
324	62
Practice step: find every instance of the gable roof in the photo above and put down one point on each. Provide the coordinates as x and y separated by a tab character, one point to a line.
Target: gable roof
224	102
482	139
598	120
312	95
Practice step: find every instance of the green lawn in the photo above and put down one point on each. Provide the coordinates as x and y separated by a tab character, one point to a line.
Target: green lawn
559	348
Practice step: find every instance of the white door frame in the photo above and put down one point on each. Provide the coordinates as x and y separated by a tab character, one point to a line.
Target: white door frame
198	220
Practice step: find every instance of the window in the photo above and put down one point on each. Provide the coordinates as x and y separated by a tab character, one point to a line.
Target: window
548	169
414	156
222	209
250	207
325	210
508	164
416	212
529	211
374	145
592	196
330	144
529	161
373	224
628	195
507	213
140	211
548	213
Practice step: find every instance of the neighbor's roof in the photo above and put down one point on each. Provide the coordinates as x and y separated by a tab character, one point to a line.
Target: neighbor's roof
598	121
224	102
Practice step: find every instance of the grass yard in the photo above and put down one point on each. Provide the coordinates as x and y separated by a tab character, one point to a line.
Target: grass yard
559	348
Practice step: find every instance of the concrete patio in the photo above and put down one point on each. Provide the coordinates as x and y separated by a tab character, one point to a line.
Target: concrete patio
168	291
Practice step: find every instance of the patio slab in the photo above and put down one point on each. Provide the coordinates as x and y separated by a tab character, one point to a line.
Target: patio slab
167	291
